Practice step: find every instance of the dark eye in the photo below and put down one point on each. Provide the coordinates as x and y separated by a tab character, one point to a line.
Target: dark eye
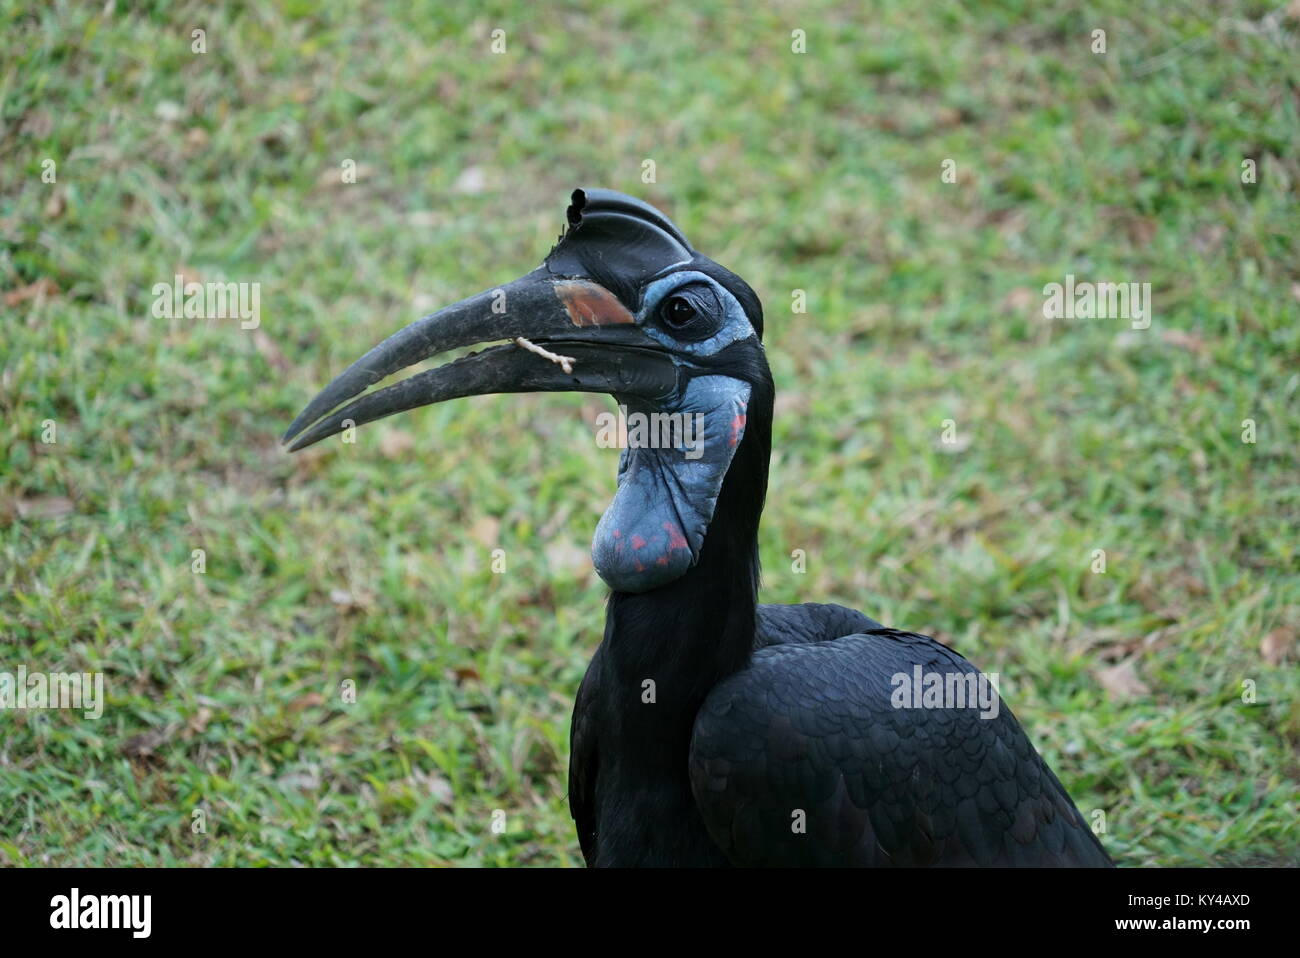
679	311
691	312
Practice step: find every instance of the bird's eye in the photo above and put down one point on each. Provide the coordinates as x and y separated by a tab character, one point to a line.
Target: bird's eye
679	311
691	312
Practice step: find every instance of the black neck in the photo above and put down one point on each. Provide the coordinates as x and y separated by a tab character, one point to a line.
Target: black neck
685	638
695	631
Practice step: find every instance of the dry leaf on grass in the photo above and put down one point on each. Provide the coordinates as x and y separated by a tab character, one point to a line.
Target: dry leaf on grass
1182	339
486	531
349	601
43	288
310	700
143	748
394	442
198	722
1022	300
1276	646
45	507
1121	681
466	673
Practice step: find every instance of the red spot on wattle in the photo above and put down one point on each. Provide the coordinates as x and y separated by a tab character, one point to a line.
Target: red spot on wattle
675	538
737	427
662	560
637	542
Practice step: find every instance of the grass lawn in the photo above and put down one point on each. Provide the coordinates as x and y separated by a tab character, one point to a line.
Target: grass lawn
1164	691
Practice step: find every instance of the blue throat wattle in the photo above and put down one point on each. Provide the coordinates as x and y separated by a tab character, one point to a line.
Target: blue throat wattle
652	532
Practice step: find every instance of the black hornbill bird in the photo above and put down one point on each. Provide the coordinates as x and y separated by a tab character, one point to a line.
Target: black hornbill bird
709	729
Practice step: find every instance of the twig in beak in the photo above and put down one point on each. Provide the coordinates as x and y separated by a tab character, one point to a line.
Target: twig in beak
564	362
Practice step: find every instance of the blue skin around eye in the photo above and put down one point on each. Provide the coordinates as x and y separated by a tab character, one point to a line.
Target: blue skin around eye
654	529
735	326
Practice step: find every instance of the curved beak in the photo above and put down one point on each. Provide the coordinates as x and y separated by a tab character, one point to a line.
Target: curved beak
564	335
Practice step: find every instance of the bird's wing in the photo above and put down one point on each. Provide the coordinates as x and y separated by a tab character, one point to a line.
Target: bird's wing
808	622
582	764
803	759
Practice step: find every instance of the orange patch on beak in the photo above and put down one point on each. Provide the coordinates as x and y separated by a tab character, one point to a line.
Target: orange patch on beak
590	304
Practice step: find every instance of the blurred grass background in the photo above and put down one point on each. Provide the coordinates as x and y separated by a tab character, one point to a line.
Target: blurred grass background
818	171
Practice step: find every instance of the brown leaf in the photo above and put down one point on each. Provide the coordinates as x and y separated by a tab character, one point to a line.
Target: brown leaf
144	747
310	700
55	205
1121	681
198	722
1277	645
43	288
395	442
439	788
349	601
1184	340
486	531
1022	299
466	673
188	274
45	507
1141	230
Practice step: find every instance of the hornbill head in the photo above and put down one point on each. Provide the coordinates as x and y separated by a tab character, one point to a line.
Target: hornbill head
625	306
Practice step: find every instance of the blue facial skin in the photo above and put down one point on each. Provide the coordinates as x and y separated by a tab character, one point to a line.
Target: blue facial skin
652	532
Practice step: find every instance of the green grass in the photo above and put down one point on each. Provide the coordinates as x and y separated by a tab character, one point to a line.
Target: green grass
371	562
